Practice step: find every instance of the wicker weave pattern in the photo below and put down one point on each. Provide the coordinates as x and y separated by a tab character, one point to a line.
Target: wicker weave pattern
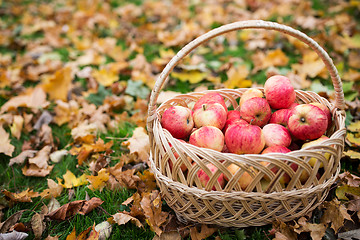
256	204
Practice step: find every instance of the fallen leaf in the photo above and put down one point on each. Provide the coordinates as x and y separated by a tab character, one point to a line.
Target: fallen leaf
58	155
72	235
44	119
139	144
52	238
94	235
317	231
192	76
237	77
31	170
37	225
204	232
174	235
90	205
104	229
24	196
98	182
5	146
122	218
105	77
41	158
83	234
53	204
343	190
354	126
10	221
14	235
17	126
334	213
34	99
59	84
354	139
20	159
311	66
349	235
66	112
148	180
70	180
350	179
53	191
84	129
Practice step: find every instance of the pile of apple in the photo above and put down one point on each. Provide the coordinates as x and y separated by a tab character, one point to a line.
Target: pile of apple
265	122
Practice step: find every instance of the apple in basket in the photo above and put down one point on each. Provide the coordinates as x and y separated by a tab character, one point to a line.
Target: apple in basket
244	180
208	137
241	138
210	114
307	122
326	111
210	97
313	160
280	116
279	92
204	177
250	93
176	155
276	134
178	120
256	111
274	149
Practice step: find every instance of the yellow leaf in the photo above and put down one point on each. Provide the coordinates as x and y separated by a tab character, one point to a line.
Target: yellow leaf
41	158
99	181
311	66
352	42
105	77
5	145
54	189
352	154
58	85
70	180
351	75
193	76
340	192
275	58
16	126
353	138
4	78
24	196
72	235
354	126
237	77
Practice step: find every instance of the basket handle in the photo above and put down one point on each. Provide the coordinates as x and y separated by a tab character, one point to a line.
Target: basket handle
254	24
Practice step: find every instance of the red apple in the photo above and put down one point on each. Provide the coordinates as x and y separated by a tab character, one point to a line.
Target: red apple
178	121
176	155
326	111
294	104
280	116
204	177
210	97
256	111
276	134
307	122
212	114
250	93
276	149
244	138
208	137
233	114
245	178
313	160
279	92
231	122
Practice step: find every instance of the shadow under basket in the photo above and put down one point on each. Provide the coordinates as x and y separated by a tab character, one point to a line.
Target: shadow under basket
265	198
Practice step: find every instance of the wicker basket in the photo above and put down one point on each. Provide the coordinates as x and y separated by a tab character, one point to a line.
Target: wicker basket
256	205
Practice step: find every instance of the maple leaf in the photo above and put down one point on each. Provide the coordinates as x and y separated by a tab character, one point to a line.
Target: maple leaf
32	98
124	217
237	77
58	85
70	180
317	231
20	159
139	144
204	232
98	182
66	112
24	196
53	191
334	213
41	158
311	66
105	77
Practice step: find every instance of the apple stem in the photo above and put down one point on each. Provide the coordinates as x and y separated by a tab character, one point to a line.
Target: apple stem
251	121
204	107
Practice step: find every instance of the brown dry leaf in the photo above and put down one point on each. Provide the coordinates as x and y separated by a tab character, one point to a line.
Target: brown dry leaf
59	84
334	213
98	182
37	225
33	98
284	230
237	77
350	179
41	158
84	129
70	180
151	204
53	191
351	75
139	144
10	221
317	231
17	126
52	238
148	181
94	235
66	112
70	209
354	59
83	234
31	170
204	232
45	135
20	159
14	235
24	196
124	217
5	146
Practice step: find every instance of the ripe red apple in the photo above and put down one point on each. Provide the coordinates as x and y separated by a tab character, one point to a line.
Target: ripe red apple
280	116
231	122
276	134
208	137
279	92
307	122
256	111
244	138
210	97
204	178
212	114
326	111
176	155
250	93
178	121
276	149
294	104
313	160
245	178
233	114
